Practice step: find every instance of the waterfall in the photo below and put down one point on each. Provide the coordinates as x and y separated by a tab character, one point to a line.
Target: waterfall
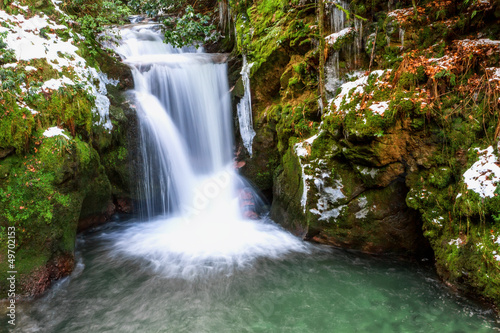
194	201
244	109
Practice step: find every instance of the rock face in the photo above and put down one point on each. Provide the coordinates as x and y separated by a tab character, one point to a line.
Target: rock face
66	138
401	159
323	195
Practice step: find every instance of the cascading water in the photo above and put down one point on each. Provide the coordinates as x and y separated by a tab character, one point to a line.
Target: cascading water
195	229
189	186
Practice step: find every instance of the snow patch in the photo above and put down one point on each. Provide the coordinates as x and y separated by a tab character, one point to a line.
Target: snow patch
372	172
362	214
456	242
55	84
379	107
24	37
495	74
332	39
301	148
334	194
23	105
438	220
325	215
354	87
54	131
362	202
484	175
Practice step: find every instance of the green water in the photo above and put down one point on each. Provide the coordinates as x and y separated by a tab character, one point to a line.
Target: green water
324	291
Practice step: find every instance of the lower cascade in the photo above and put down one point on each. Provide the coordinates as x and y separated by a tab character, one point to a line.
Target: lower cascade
193	196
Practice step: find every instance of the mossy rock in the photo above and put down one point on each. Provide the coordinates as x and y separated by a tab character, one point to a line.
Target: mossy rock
377	222
288	187
42	198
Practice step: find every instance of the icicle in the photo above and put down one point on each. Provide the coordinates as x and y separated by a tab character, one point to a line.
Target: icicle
244	108
338	22
402	36
332	72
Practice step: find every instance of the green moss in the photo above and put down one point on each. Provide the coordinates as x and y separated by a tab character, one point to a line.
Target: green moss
70	107
16	124
45	6
269	25
344	40
43	193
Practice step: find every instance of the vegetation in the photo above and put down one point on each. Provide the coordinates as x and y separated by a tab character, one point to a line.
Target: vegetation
190	29
406	133
44	181
410	133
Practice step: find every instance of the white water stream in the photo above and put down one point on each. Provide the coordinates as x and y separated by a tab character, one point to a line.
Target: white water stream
178	270
191	190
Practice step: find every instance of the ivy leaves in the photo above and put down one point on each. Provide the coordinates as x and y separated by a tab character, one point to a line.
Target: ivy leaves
190	29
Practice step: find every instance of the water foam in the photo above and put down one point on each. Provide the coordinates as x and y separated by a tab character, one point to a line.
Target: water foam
196	224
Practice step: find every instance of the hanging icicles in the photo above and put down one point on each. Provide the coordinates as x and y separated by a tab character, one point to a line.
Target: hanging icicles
244	108
402	36
339	22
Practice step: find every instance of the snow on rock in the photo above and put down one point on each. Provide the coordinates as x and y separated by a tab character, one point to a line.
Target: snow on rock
25	38
332	39
484	175
304	148
326	195
401	12
354	87
54	131
302	152
456	242
372	172
379	107
364	210
472	43
401	15
55	84
24	105
326	215
494	74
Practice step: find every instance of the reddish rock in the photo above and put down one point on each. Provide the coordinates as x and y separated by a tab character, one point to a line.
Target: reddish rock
247	203
124	205
41	279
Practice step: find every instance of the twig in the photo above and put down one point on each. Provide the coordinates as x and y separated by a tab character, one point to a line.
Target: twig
373	50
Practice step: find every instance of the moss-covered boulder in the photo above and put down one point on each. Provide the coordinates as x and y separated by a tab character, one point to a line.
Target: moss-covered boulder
64	148
401	153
